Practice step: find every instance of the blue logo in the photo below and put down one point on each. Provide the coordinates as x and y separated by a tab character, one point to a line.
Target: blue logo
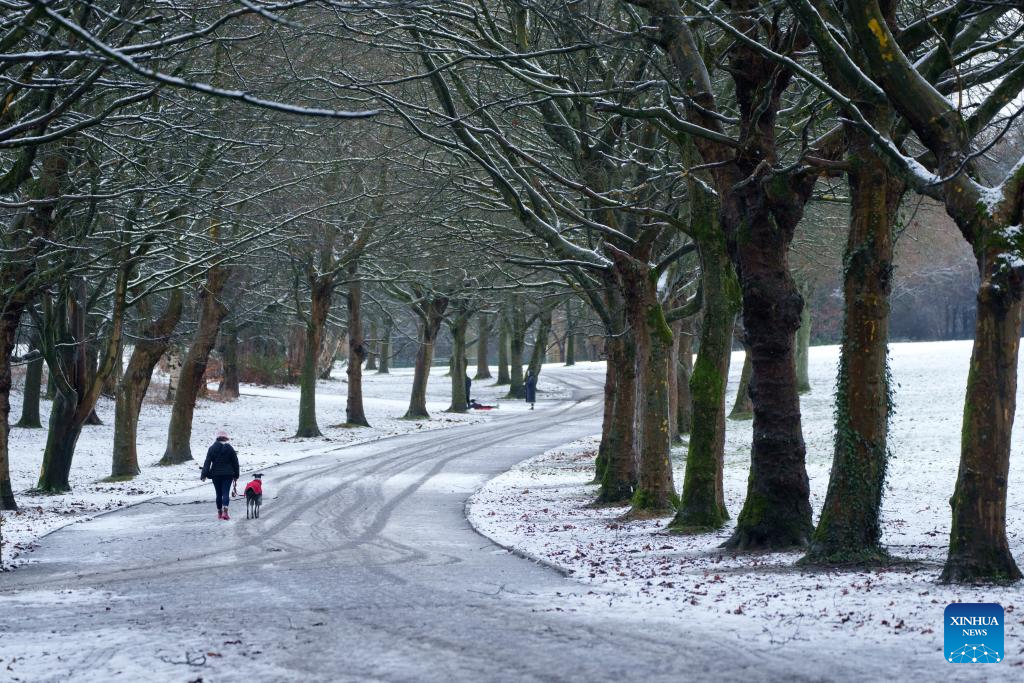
974	633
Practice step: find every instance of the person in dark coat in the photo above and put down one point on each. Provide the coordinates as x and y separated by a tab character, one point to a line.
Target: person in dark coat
531	388
469	384
222	467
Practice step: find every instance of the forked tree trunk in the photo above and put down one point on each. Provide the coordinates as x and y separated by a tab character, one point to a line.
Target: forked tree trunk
229	385
9	318
212	312
483	370
33	387
430	324
321	292
655	492
385	351
503	343
354	413
848	531
978	548
742	406
78	389
460	401
134	384
540	343
702	504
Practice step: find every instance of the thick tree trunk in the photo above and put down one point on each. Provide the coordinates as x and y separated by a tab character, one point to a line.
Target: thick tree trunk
743	406
777	510
432	316
134	384
321	292
9	318
460	401
702	504
978	548
354	413
617	453
848	531
503	350
385	351
483	370
212	312
78	388
33	387
371	348
655	494
229	385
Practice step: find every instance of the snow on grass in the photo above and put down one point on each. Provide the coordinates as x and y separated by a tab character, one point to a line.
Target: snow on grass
541	508
261	424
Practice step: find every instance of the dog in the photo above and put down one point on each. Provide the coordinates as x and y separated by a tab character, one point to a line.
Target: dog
254	497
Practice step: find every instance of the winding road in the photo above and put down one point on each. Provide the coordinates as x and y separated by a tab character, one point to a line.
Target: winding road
362	568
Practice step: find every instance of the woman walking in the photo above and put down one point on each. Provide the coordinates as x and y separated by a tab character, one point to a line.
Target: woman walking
222	467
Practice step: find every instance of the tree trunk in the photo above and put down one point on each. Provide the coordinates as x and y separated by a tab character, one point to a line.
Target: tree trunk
673	384
516	346
385	351
354	413
483	371
9	317
134	384
371	346
78	389
803	346
91	355
978	548
702	504
212	312
848	531
229	385
777	511
570	335
617	453
432	316
460	401
540	343
33	387
503	351
321	292
684	370
743	407
655	491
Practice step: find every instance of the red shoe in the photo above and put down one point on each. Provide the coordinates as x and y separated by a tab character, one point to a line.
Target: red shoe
220	514
226	514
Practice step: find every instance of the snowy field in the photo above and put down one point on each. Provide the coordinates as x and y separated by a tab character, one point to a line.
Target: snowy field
261	424
541	509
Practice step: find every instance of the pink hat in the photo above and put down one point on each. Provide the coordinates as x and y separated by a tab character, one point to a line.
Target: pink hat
221	434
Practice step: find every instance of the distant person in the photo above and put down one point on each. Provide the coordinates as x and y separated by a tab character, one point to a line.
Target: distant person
469	385
531	388
222	467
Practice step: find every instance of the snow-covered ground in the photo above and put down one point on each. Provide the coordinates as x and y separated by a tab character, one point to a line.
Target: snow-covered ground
261	424
540	508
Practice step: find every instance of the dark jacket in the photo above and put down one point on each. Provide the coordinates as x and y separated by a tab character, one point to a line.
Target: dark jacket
531	388
221	461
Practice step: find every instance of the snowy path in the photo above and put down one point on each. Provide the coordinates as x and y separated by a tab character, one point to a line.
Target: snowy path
362	568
